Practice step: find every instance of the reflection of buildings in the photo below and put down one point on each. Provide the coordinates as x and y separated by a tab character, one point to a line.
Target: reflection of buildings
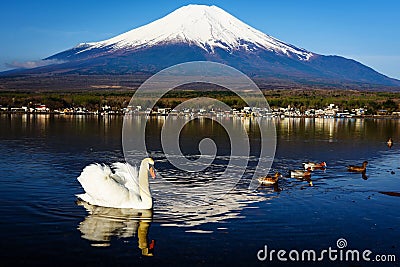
331	129
101	224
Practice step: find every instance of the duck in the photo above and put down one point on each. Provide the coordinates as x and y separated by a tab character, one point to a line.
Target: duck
314	165
389	142
126	187
269	180
353	168
300	173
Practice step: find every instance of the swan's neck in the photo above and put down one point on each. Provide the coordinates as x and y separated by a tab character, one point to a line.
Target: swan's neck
144	189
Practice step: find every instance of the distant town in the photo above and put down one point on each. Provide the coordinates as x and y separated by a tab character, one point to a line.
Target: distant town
282	103
330	111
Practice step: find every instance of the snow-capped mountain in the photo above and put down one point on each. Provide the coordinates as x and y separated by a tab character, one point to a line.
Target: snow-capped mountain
207	27
198	32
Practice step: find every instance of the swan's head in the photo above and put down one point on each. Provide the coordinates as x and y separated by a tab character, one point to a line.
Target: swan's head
150	166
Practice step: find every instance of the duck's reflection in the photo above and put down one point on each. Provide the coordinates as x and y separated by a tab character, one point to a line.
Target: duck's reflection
389	143
274	188
102	223
364	175
308	180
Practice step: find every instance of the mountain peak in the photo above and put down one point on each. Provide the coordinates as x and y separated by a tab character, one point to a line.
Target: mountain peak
208	27
208	33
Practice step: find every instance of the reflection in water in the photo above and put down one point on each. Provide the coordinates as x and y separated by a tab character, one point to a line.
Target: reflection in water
171	209
390	143
271	187
308	180
305	179
300	216
102	223
335	130
392	194
340	204
364	175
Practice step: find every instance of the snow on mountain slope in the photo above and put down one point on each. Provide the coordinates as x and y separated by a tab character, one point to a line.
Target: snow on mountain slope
208	33
207	27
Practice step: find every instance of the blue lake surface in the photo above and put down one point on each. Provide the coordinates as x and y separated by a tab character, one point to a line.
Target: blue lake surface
43	223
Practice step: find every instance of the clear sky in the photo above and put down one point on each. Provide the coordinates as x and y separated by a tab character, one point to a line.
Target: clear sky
367	31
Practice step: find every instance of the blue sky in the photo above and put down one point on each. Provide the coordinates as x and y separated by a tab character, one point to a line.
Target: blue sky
367	31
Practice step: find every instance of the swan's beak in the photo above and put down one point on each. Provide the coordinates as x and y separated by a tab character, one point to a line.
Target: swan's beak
152	173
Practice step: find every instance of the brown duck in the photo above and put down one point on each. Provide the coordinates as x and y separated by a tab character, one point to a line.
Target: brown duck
268	180
300	173
363	168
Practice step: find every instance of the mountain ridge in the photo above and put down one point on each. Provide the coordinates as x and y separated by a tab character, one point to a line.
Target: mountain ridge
198	32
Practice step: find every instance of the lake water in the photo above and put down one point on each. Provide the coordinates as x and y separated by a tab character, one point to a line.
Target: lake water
43	224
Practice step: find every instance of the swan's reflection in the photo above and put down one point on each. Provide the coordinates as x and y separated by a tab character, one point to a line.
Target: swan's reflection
102	223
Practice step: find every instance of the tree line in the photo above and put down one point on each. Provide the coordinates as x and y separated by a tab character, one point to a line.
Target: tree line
301	99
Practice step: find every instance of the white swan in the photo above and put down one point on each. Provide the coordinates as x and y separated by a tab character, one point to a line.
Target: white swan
125	188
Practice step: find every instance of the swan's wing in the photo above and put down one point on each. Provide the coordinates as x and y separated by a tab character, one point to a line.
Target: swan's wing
127	175
104	191
119	172
132	181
